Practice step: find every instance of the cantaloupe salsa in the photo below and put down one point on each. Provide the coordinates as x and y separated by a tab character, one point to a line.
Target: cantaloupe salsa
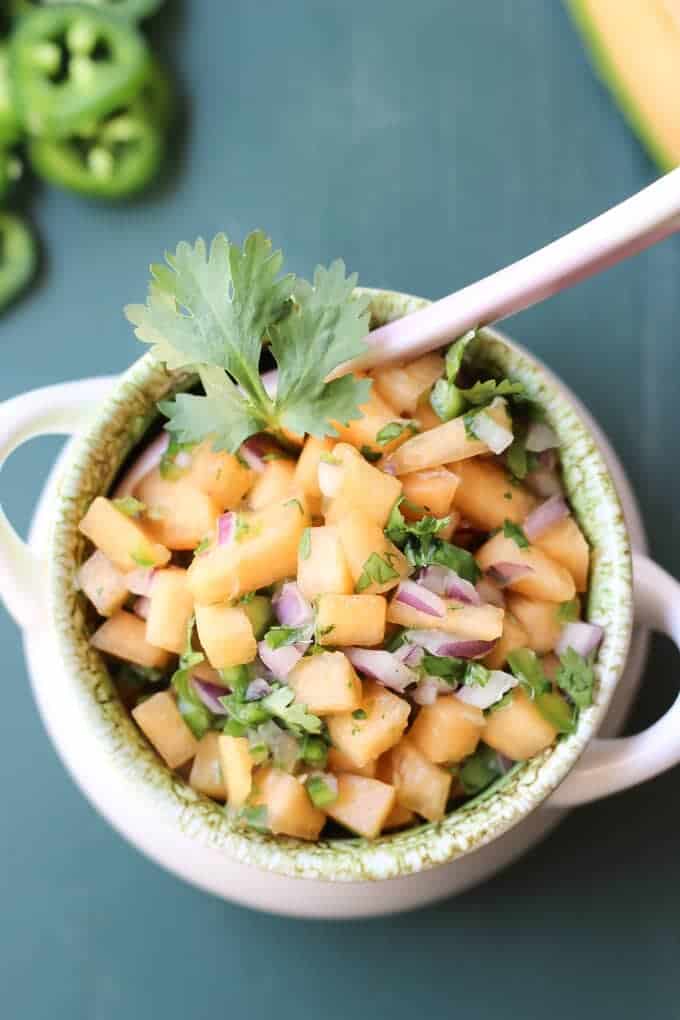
355	633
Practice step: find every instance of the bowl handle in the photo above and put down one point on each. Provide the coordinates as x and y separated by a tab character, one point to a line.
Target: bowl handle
62	410
608	766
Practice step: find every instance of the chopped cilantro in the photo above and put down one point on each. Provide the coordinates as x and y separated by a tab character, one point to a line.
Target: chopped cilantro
168	467
444	666
142	561
376	570
369	454
297	503
274	455
516	458
476	675
129	506
501	703
418	541
196	715
359	713
483	393
281	705
232	728
314	751
277	637
526	666
305	547
576	678
394	430
254	817
567	612
479	770
242	528
323	631
446	400
557	711
202	546
515	532
320	792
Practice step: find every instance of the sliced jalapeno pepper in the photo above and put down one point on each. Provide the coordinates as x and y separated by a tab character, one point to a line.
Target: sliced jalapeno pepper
10	128
18	256
132	10
71	64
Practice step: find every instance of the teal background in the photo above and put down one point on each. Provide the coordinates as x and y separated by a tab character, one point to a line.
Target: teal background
428	144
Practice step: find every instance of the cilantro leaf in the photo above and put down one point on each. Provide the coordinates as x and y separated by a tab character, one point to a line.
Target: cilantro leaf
517	458
515	532
321	793
526	666
167	467
567	612
418	541
446	399
371	455
576	678
376	570
484	392
476	675
394	430
479	770
446	667
277	637
280	704
455	353
398	528
130	506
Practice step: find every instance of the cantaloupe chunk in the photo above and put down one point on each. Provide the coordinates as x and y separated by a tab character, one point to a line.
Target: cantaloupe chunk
206	771
219	474
103	584
513	636
365	739
483	623
178	514
518	730
399	817
431	490
307	470
264	550
226	634
488	495
538	619
339	762
362	804
565	543
290	812
448	730
421	786
326	683
160	721
123	635
170	607
204	671
546	579
237	768
350	620
273	485
444	444
403	385
361	486
362	432
362	542
121	538
322	567
426	417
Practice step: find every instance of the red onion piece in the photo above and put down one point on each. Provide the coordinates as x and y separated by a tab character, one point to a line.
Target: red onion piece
210	695
417	597
504	574
149	458
444	581
547	460
540	437
490	593
139	581
498	684
226	527
438	642
258	688
583	637
409	654
290	606
141	607
382	666
545	516
255	450
280	660
544	484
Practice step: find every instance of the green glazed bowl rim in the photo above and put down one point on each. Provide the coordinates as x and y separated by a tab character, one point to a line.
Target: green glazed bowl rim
89	470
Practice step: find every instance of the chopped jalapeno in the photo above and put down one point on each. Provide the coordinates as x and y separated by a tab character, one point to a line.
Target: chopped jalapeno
17	256
10	128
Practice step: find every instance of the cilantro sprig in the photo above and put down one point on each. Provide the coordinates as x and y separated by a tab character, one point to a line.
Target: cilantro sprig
419	542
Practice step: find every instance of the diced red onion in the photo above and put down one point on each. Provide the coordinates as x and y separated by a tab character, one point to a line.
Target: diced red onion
540	437
444	581
330	477
490	593
496	436
545	516
498	684
504	763
139	581
279	660
426	692
409	654
547	460
382	666
258	688
418	597
254	451
544	483
504	574
290	606
141	607
210	695
149	458
438	642
583	637
226	527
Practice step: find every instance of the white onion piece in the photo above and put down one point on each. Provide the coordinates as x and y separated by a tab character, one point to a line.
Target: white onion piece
496	436
583	637
490	593
438	642
290	606
226	527
330	477
444	581
141	607
504	574
540	437
382	666
418	597
258	688
139	581
209	695
545	516
544	483
280	660
149	458
498	684
426	692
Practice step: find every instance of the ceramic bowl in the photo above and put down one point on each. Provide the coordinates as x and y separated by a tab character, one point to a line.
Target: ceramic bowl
191	834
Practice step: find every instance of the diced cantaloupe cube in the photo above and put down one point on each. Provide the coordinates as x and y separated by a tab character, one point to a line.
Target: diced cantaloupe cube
322	567
518	730
219	474
421	786
339	762
290	812
274	484
399	817
362	433
326	683
362	804
160	721
178	513
103	584
170	607
426	416
545	579
483	623
206	771
565	543
237	768
513	636
363	539
402	386
444	444
204	671
264	550
121	538
365	739
488	495
307	470
350	619
432	491
539	619
447	730
226	634
123	635
361	486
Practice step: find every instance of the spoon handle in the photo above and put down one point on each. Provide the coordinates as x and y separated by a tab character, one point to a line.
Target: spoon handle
626	229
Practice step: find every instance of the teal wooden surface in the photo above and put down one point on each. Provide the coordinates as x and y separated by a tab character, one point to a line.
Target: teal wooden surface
428	144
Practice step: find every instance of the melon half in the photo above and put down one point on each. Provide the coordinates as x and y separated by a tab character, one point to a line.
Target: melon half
635	47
